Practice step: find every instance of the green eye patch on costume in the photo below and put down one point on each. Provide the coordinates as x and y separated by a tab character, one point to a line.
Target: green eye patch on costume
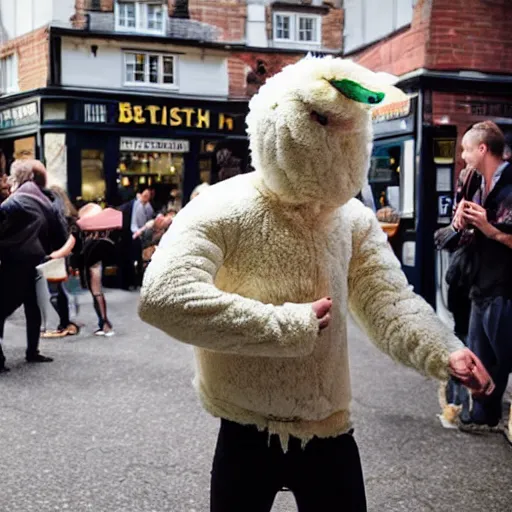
357	92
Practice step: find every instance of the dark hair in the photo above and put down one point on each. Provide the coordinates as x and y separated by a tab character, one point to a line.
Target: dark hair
39	177
488	133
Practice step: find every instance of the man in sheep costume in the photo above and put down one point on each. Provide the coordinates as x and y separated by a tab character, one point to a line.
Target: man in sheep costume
259	273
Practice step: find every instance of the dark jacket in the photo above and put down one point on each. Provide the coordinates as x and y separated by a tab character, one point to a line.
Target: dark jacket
492	260
29	227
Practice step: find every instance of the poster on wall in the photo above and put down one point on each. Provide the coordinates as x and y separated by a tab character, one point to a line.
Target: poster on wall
56	159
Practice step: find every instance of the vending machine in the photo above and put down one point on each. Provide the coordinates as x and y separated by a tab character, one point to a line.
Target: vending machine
411	179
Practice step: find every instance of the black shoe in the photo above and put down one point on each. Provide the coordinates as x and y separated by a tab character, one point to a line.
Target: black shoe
38	358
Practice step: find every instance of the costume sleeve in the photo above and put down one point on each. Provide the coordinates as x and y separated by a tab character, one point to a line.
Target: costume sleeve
180	298
397	320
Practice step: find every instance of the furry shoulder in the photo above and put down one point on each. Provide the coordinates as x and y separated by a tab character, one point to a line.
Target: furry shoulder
219	204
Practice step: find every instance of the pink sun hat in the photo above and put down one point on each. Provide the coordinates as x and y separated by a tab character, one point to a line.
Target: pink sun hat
93	218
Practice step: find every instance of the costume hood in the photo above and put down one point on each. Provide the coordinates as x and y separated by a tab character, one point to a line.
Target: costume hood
310	129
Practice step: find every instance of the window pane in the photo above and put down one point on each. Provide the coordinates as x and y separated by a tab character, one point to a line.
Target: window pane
153	69
384	175
130	73
168	74
282	27
154	17
307	29
93	177
126	14
140	60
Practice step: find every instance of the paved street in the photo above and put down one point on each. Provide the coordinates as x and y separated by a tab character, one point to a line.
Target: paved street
113	425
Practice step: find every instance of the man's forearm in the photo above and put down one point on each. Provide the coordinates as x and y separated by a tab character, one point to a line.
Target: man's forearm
501	237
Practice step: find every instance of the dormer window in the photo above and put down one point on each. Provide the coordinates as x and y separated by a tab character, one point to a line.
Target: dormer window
292	27
142	17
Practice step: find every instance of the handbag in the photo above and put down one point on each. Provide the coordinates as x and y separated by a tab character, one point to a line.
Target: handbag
54	270
461	269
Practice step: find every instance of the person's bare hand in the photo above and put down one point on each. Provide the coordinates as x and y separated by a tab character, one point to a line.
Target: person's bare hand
322	310
467	368
459	222
477	216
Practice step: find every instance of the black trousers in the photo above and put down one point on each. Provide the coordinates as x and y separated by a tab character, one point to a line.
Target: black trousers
249	469
60	303
18	287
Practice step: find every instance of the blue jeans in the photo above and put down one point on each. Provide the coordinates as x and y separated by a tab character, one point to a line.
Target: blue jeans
490	338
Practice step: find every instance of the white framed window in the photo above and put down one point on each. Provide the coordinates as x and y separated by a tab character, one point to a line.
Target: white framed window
144	17
297	28
367	21
282	27
150	69
9	74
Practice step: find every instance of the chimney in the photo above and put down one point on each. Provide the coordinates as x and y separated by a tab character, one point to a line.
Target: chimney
181	9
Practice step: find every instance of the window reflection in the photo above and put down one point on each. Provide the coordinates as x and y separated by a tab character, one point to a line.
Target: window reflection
93	176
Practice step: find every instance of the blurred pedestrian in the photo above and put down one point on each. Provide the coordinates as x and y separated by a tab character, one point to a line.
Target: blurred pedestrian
97	250
30	230
4	188
487	220
59	296
136	214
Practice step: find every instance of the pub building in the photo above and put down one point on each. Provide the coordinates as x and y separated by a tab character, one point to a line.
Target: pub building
107	146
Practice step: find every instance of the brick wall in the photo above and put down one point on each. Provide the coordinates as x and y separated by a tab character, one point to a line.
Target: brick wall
32	52
448	35
248	71
471	34
460	110
228	15
404	51
332	29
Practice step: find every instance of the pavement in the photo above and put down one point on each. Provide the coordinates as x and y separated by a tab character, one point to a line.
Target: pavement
113	425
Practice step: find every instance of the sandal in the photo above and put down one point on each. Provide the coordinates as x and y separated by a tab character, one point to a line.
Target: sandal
54	334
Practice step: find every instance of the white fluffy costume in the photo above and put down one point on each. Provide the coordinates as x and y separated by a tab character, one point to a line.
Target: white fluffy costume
238	270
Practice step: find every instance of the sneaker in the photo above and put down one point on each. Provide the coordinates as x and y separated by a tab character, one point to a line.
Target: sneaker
472	427
99	332
38	358
110	333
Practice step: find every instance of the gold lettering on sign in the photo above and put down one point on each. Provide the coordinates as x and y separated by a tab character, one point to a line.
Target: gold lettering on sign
175	116
138	114
203	118
176	119
125	113
188	119
225	121
153	109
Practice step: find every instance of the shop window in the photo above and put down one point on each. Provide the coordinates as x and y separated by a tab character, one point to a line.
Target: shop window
143	69
160	171
93	176
297	28
25	148
9	74
144	17
367	21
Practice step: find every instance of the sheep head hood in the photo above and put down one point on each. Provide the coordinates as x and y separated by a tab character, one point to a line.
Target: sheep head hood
310	129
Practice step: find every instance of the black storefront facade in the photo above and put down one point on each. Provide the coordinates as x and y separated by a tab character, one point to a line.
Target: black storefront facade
104	147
